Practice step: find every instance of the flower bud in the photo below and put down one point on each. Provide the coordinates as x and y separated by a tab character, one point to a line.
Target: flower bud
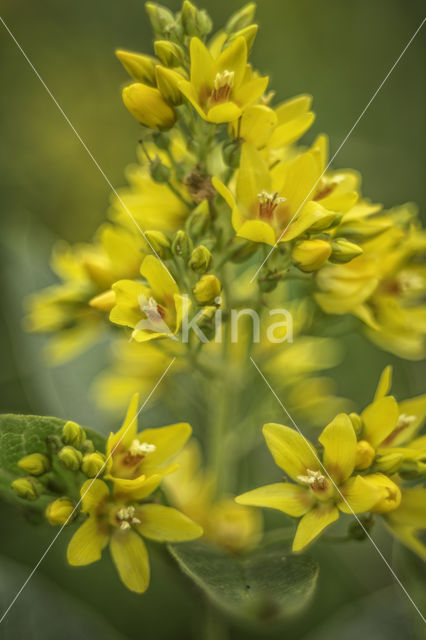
310	255
391	498
73	434
71	458
200	260
242	18
148	106
356	423
93	464
167	83
88	447
363	229
59	511
162	20
104	301
207	289
182	244
365	455
344	251
158	241
140	67
231	152
248	33
389	462
27	488
36	464
169	53
199	219
159	172
195	22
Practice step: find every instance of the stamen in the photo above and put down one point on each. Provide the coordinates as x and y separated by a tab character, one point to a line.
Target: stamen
141	448
223	85
151	309
315	479
405	421
268	202
410	281
126	517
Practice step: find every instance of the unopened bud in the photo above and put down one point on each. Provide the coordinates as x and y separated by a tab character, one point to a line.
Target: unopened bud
27	488
200	260
344	251
241	19
389	462
140	67
207	289
148	106
169	53
36	464
182	244
158	241
159	172
195	22
248	33
167	83
93	464
71	458
199	219
59	511
73	434
356	423
162	20
310	255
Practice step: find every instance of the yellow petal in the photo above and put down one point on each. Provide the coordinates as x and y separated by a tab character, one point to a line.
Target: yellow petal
92	493
293	108
166	524
313	523
290	450
168	441
225	112
127	433
385	383
233	58
257	231
202	73
162	285
137	488
359	495
289	498
130	557
224	192
249	92
289	132
253	176
301	177
380	419
257	124
339	442
87	543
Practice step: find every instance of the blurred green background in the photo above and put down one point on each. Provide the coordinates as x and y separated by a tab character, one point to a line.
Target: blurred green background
339	51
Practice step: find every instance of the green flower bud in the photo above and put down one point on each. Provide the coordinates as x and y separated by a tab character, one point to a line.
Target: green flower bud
344	251
207	323
71	458
159	172
158	241
169	53
161	139
207	289
27	488
310	255
88	447
231	152
36	464
140	67
73	434
59	511
199	219
93	464
182	244
200	260
248	33
242	18
167	82
162	20
195	22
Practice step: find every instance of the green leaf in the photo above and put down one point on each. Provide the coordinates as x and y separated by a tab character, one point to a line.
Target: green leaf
266	585
22	435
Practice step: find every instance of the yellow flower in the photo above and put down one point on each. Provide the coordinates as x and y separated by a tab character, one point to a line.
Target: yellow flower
192	490
266	201
148	106
220	89
152	312
408	522
133	456
315	497
118	520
